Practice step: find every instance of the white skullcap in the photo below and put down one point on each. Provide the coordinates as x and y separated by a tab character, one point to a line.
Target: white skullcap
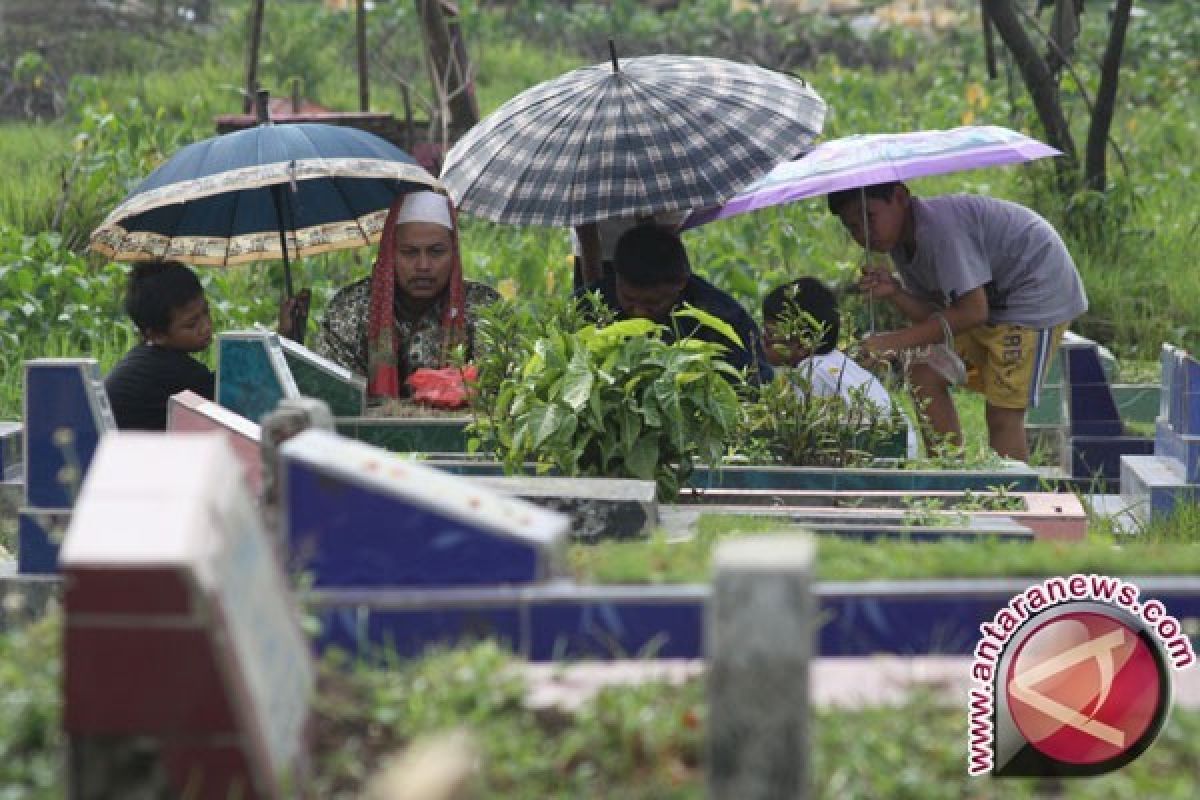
425	207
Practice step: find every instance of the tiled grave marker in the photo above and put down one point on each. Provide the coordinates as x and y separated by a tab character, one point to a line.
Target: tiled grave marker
180	640
563	620
1153	485
359	516
189	412
600	508
66	415
252	373
1096	437
344	392
1015	475
1049	515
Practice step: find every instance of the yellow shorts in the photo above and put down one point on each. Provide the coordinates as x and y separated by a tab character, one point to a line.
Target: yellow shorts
1006	362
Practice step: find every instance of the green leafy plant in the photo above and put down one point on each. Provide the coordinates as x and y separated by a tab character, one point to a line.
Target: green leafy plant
796	425
617	401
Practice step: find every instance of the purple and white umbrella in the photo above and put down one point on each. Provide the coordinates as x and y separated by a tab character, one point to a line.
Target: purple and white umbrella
868	159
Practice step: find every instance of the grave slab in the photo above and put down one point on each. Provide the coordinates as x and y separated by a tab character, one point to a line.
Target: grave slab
1016	475
356	515
316	376
599	508
252	373
1049	515
179	625
1152	485
66	414
188	412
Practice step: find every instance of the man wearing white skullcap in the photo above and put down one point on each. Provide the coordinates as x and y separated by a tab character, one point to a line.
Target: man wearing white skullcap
413	308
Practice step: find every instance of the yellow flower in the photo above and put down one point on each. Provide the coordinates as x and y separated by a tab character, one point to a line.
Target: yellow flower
968	117
507	288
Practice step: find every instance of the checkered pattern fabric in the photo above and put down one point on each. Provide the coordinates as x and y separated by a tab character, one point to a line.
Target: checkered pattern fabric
661	133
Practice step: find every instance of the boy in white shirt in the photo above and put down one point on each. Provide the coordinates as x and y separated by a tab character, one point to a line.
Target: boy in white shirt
808	303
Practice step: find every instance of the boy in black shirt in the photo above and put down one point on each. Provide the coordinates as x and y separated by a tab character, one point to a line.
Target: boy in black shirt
167	304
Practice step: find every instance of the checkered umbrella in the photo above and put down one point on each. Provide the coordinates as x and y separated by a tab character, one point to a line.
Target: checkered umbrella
642	136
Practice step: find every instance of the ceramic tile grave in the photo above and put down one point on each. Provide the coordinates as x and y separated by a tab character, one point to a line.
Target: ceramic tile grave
358	516
1014	475
180	629
344	392
66	415
189	412
252	374
563	621
1096	434
1153	484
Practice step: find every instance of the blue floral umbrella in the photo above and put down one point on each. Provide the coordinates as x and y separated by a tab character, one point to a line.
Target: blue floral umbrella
269	192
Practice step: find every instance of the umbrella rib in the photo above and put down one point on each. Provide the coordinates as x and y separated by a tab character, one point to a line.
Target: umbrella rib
581	146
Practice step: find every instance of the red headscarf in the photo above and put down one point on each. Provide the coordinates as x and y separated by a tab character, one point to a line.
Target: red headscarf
383	338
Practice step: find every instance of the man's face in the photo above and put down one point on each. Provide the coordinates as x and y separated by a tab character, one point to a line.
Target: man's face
190	327
885	220
648	302
424	259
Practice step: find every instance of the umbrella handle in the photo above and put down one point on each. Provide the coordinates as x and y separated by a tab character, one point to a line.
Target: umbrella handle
293	315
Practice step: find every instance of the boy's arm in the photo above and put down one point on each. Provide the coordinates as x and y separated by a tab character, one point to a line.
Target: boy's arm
967	312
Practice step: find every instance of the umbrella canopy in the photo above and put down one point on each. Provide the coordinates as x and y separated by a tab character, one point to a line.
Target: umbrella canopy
865	160
238	197
642	136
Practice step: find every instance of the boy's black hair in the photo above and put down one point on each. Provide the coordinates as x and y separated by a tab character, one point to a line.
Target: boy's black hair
811	296
650	255
879	191
155	289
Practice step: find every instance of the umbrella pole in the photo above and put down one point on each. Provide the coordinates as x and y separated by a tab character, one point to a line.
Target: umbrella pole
287	267
862	202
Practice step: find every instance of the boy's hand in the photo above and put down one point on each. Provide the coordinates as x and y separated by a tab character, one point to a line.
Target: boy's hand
293	315
878	281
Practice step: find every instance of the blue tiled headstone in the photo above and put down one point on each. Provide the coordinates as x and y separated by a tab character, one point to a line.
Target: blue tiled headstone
1092	407
252	374
356	515
66	413
344	392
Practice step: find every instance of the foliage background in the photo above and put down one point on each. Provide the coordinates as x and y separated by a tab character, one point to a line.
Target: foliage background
58	178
